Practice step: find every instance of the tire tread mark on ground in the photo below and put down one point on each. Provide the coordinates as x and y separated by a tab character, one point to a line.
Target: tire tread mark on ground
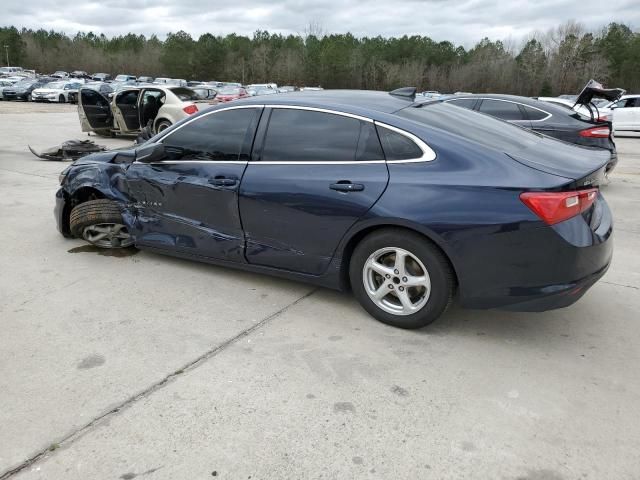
78	433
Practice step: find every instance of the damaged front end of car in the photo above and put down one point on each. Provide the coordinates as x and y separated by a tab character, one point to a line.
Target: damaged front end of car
96	176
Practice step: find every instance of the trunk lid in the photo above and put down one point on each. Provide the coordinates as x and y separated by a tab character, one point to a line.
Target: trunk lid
585	166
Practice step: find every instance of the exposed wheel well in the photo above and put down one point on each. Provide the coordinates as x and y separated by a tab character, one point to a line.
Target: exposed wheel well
357	238
81	195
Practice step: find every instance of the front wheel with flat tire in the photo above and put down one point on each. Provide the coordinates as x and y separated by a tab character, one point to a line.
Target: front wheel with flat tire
401	278
100	223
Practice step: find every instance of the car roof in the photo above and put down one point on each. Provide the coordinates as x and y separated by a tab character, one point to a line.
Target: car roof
338	99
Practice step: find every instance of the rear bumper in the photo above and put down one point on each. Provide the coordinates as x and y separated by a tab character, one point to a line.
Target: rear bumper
552	266
557	296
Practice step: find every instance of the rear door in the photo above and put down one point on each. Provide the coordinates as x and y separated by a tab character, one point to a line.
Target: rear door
512	112
94	111
313	175
188	201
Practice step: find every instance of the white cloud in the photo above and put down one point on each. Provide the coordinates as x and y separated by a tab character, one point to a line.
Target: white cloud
463	22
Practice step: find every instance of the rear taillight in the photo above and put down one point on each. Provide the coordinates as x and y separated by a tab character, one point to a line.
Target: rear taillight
595	132
555	207
190	109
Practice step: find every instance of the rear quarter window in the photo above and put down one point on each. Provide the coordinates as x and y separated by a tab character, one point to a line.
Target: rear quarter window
397	146
534	113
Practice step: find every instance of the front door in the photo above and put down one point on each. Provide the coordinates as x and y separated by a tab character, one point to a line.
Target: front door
188	201
94	110
314	176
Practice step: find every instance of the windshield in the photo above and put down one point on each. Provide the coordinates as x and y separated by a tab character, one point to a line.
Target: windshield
56	85
185	94
229	91
474	126
122	78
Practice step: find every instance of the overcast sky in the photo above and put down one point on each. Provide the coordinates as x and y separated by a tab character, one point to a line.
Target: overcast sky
462	22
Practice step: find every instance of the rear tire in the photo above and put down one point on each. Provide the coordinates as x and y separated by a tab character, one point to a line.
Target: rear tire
100	223
163	125
61	99
401	278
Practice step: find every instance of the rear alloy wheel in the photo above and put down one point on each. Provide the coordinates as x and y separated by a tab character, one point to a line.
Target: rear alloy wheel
163	125
100	223
401	278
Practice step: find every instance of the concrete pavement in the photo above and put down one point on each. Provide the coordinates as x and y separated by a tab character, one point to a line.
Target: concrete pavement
153	367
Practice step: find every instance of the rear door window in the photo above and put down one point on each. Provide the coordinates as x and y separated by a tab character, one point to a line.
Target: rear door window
308	136
501	109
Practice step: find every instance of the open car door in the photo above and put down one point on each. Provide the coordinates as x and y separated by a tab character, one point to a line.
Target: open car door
125	110
94	111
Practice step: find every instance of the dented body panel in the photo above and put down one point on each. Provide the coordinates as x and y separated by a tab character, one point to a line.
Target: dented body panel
181	206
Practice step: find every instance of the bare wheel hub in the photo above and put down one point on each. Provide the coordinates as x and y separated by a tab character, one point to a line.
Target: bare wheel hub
108	235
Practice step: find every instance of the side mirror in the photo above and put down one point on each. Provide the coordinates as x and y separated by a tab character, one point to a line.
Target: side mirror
153	152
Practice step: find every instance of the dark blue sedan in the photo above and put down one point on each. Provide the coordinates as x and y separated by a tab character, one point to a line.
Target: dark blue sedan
408	204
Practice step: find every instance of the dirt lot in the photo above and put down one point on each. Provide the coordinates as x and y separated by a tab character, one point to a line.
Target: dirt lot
152	367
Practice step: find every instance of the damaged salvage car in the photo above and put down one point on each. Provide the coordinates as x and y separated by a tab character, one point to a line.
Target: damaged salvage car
132	108
408	204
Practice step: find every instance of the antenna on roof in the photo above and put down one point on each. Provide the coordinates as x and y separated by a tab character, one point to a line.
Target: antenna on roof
408	92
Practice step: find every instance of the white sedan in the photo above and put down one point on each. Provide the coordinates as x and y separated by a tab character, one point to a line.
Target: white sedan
133	108
55	91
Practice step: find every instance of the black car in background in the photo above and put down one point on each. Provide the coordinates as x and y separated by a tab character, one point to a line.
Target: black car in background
22	90
542	117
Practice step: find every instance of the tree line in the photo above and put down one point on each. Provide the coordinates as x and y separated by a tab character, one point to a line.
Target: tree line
560	60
